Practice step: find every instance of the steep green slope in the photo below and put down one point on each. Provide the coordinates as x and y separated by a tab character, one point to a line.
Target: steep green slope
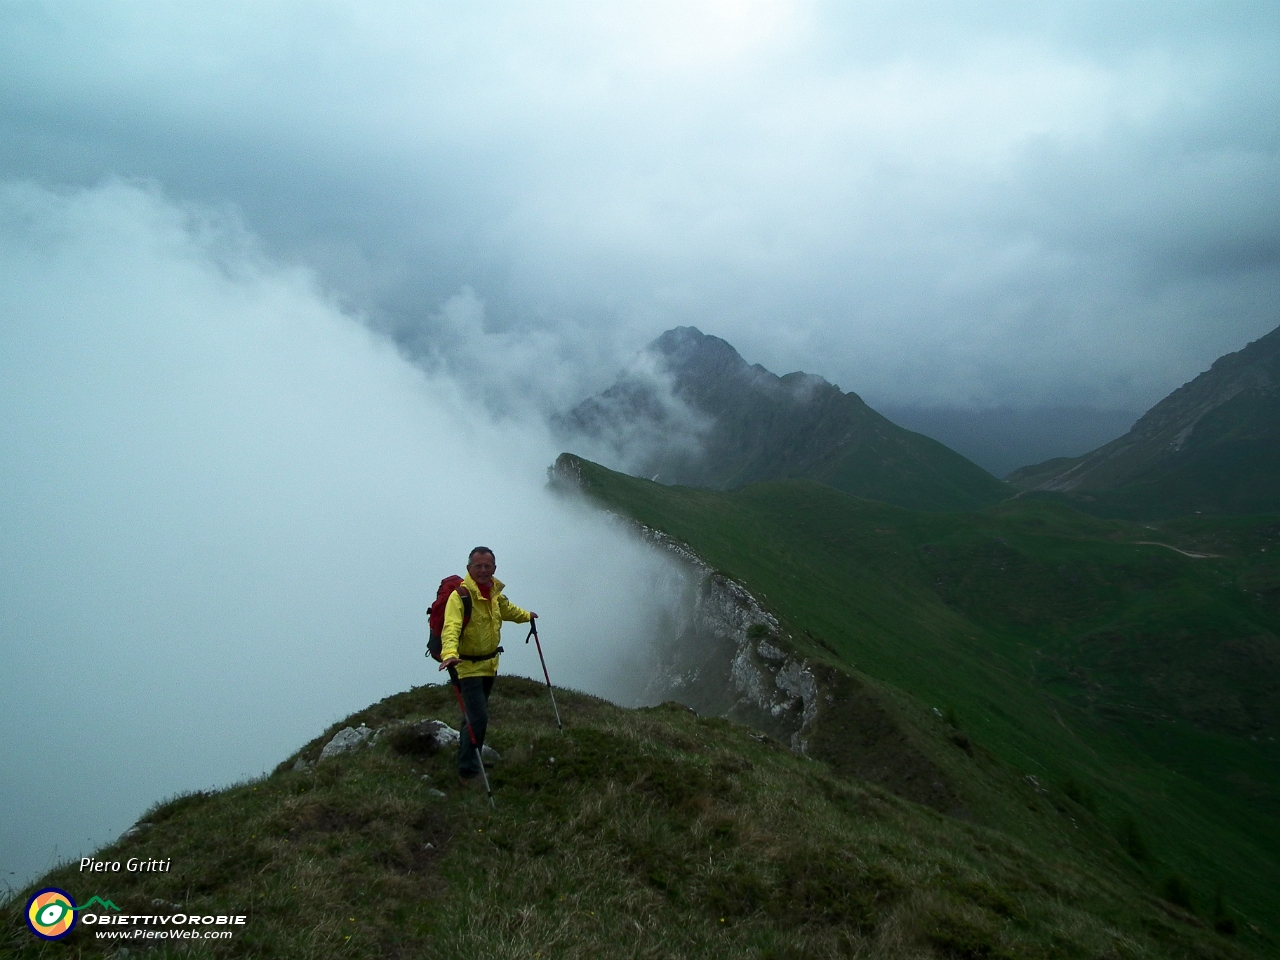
1212	446
1141	681
636	833
730	424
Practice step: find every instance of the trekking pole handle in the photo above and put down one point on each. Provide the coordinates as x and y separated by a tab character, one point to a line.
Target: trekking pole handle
533	632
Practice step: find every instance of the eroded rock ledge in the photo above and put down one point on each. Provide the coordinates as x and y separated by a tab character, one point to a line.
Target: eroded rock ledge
729	656
726	655
730	659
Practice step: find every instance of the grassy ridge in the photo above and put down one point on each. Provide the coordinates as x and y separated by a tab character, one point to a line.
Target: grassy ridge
648	834
1142	681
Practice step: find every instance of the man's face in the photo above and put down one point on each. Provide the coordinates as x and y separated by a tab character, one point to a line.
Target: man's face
481	568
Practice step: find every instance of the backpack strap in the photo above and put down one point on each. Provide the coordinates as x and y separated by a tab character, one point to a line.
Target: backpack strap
465	594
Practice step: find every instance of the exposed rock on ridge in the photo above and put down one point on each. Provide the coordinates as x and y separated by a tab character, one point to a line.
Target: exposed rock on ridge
730	656
727	656
728	659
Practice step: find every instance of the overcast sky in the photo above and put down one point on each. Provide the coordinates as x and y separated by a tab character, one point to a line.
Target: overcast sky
996	204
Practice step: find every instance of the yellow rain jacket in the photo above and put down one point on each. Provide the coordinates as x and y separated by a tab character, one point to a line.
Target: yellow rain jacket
484	630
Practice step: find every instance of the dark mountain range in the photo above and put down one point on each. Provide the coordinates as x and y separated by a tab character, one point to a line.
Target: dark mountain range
1212	446
1003	439
695	413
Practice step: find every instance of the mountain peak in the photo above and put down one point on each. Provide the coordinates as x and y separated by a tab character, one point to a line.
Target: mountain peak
694	357
688	352
1209	446
710	419
680	341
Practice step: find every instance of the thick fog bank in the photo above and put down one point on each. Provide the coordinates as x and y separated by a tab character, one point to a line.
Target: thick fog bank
224	507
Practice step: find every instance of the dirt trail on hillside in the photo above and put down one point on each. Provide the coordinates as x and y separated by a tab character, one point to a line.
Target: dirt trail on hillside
1185	553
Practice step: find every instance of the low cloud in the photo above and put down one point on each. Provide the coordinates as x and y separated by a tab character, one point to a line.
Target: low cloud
515	374
638	423
226	504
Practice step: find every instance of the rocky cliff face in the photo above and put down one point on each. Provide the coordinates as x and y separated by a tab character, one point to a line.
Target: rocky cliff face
691	411
727	655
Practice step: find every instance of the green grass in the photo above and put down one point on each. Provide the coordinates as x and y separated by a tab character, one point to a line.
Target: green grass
1065	649
1043	738
648	833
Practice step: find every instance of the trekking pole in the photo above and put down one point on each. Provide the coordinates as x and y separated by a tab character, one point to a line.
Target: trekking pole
457	691
533	632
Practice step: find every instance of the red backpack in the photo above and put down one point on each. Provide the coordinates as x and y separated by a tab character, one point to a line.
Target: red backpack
435	613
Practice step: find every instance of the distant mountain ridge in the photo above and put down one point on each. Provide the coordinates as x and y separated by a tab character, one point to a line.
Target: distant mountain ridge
733	423
1211	446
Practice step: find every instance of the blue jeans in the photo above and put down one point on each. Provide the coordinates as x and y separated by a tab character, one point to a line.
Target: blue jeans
475	695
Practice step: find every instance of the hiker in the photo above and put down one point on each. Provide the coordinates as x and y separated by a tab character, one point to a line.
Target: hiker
473	649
